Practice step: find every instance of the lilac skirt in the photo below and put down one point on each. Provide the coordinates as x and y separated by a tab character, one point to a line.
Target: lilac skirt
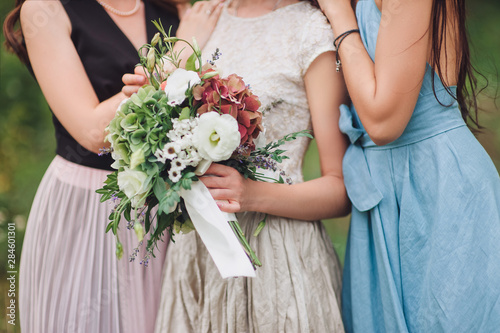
70	278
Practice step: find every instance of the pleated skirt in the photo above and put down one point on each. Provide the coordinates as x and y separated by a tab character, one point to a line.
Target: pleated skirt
70	279
297	289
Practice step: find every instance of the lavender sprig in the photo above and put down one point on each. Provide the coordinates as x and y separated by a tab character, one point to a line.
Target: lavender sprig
105	151
215	56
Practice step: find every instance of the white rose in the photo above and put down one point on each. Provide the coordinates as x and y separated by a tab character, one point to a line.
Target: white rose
133	184
178	83
216	136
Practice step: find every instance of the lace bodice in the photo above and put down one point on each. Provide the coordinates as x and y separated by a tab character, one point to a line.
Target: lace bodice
272	53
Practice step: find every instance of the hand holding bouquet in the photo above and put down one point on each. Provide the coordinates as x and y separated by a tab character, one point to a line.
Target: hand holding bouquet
166	135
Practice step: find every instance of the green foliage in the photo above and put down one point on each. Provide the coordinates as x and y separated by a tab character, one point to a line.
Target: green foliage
153	56
264	158
271	149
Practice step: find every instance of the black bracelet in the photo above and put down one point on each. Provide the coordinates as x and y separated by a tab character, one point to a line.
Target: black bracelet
344	34
340	38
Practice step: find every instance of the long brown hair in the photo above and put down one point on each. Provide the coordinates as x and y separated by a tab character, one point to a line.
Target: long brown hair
467	87
14	34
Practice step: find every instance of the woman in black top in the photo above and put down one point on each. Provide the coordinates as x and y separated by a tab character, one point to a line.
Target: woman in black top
70	279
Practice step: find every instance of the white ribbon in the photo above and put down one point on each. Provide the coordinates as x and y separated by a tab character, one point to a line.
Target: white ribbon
214	230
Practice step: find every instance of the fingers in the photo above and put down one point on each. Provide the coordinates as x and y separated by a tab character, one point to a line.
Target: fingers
229	206
213	6
208	10
220	170
215	13
222	194
226	185
130	90
183	9
132	83
206	7
216	182
228	200
139	70
200	21
134	79
221	176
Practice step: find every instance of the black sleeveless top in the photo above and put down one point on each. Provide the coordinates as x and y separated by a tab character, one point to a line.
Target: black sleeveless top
106	54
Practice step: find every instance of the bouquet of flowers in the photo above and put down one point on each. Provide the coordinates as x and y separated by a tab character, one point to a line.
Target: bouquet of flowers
166	135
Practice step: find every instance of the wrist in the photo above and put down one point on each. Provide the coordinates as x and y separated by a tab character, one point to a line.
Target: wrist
341	17
257	198
336	10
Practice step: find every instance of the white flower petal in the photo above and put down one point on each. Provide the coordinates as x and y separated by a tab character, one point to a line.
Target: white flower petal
178	83
217	136
174	175
133	184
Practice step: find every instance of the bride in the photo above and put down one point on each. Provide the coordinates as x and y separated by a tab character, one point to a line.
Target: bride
284	50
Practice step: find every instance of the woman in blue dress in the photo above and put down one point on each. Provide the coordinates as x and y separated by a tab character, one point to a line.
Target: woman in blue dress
423	253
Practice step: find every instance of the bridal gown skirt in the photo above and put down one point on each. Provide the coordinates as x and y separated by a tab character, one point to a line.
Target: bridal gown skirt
70	278
297	289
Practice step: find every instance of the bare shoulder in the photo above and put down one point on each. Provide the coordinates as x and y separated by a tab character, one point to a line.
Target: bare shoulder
38	15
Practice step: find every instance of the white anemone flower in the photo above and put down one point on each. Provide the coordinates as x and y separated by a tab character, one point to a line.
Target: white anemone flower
217	136
173	136
178	164
182	127
193	159
174	175
187	142
190	157
178	83
169	152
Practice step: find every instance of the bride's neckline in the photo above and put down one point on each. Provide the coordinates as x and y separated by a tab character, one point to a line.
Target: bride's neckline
277	10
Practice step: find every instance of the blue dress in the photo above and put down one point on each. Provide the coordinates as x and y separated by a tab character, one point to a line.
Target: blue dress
423	253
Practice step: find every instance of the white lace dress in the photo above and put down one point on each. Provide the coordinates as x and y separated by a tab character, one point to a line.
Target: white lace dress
298	287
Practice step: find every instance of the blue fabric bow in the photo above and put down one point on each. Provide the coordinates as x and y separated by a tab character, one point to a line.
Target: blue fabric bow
359	184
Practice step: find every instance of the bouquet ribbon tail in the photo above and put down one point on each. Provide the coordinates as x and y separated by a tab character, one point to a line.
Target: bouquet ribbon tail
216	233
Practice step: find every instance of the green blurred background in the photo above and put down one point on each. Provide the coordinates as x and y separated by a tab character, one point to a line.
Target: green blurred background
27	141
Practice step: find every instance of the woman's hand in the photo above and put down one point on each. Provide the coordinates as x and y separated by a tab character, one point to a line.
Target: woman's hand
199	21
228	187
134	81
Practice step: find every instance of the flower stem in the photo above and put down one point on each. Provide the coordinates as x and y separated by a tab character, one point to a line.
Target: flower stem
244	243
261	226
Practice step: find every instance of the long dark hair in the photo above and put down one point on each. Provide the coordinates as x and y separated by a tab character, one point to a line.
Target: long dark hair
14	35
467	87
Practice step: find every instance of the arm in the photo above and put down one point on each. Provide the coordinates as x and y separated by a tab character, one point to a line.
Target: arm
324	197
385	92
62	77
